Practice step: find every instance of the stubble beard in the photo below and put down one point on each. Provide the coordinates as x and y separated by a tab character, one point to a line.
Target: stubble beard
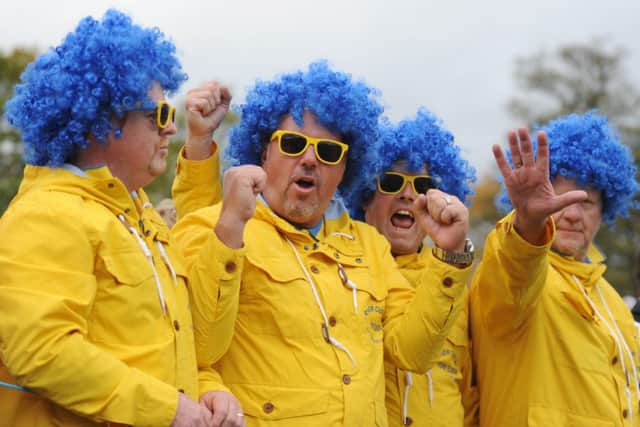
300	211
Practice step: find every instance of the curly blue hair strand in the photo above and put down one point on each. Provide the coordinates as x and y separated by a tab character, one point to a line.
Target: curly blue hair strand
344	106
419	141
100	71
587	148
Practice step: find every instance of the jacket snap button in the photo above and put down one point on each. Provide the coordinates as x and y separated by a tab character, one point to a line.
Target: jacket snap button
332	321
614	360
447	282
408	421
625	413
230	267
315	269
176	325
346	379
267	407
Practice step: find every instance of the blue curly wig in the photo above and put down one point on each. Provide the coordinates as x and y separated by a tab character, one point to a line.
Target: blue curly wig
345	107
587	149
419	141
100	71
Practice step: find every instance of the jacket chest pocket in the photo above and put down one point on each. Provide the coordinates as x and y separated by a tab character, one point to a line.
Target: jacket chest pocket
304	406
127	291
366	303
277	299
455	350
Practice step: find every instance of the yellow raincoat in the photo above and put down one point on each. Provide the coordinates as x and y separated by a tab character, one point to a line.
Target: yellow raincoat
444	395
86	321
314	316
197	183
543	331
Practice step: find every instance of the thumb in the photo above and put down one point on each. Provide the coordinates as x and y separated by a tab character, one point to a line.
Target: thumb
567	199
424	218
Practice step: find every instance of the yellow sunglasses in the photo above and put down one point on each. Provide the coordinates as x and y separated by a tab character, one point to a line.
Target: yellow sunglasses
394	182
165	114
294	144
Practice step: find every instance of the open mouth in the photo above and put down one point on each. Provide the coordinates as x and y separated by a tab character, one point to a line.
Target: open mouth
305	183
402	219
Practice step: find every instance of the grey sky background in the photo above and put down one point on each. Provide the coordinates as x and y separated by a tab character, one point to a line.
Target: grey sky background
454	57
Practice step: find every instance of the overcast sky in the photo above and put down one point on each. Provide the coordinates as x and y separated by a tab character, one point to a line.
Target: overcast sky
454	57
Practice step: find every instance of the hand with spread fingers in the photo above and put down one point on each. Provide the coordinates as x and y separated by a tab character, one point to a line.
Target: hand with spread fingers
444	218
226	409
206	108
528	185
242	184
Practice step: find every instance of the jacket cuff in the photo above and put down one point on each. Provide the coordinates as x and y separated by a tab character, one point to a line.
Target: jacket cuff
210	380
198	171
452	280
517	247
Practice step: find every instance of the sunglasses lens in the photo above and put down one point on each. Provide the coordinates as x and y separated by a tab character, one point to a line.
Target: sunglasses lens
391	183
292	144
163	115
329	151
423	184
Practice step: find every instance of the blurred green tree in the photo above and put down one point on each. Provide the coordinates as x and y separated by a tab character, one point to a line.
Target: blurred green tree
11	66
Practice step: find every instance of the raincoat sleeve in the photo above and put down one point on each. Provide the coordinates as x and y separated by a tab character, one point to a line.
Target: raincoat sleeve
197	183
510	278
416	325
214	277
47	289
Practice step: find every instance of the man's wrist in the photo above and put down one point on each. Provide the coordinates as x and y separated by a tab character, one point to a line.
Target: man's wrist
459	259
198	147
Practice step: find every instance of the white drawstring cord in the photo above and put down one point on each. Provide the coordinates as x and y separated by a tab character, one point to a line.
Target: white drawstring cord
325	325
347	282
408	378
430	380
625	346
343	274
618	339
167	261
149	256
345	235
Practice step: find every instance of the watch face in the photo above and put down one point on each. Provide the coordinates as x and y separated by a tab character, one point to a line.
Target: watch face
468	246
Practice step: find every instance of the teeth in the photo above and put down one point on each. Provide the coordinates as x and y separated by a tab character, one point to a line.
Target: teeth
404	212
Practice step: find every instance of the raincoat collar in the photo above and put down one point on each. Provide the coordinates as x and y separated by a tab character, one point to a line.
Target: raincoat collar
588	273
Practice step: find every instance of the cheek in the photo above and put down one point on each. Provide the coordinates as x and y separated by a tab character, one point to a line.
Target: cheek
377	212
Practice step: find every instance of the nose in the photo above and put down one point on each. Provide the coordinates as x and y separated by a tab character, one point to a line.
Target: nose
407	192
573	212
172	129
308	158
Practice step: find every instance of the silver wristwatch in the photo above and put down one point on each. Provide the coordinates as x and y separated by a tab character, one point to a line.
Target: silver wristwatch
464	258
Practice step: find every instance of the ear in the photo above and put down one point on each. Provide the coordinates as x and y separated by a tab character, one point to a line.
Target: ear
263	156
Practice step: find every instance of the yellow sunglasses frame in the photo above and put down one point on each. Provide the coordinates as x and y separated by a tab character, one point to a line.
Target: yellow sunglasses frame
277	135
172	112
406	178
